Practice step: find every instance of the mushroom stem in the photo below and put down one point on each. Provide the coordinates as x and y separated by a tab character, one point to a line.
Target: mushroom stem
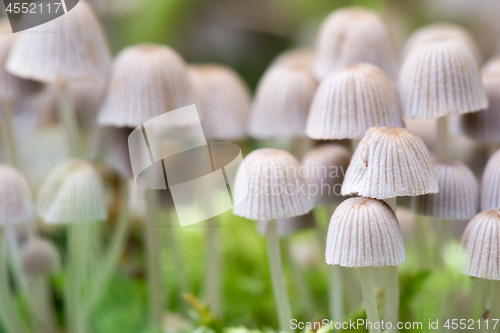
283	307
212	269
494	306
303	290
67	115
40	304
369	299
8	137
391	307
153	262
444	237
442	138
8	313
336	293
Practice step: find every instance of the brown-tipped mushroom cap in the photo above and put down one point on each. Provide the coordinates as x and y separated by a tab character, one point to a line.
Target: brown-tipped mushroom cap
71	47
390	162
16	202
282	102
275	187
146	81
222	100
285	227
72	193
480	241
40	257
364	232
490	184
350	101
441	78
440	31
484	125
353	35
324	168
458	196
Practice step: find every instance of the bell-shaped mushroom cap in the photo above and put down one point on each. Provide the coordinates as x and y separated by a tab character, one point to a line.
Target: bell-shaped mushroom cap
275	188
441	78
16	202
350	101
40	257
353	35
440	31
480	241
286	227
223	101
110	146
390	162
72	47
282	102
324	168
146	81
72	193
364	232
11	86
458	196
490	184
484	125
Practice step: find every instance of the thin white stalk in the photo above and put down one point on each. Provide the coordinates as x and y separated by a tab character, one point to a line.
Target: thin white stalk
283	307
494	306
10	319
391	306
369	299
39	298
212	269
444	237
336	293
67	116
442	138
156	297
9	139
75	268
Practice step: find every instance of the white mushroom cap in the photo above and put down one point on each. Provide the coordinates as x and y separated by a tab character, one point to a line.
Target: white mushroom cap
40	257
364	232
441	78
282	101
223	101
72	47
458	196
484	125
324	167
490	184
480	241
146	81
275	188
350	101
352	35
390	162
16	202
72	193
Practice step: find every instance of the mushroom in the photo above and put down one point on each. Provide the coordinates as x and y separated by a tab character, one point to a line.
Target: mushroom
490	184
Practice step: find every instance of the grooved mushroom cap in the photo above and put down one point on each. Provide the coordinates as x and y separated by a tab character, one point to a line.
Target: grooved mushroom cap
440	31
484	125
480	241
350	101
441	78
72	193
40	257
16	202
275	188
282	102
146	81
324	167
353	35
490	184
223	101
364	232
11	86
75	49
458	196
285	227
390	162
